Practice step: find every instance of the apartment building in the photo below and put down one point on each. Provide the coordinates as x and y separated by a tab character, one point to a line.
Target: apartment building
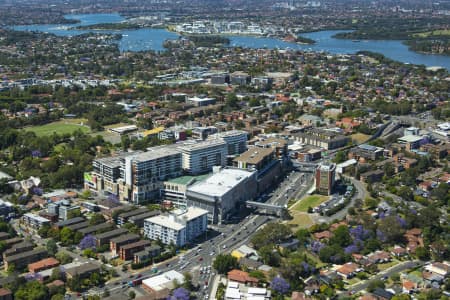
144	173
236	141
201	157
21	260
178	227
325	177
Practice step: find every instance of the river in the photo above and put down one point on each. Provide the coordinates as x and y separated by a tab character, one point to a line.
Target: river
152	39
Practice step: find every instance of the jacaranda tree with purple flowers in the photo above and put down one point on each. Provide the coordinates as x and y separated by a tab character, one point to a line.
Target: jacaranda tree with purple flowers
179	294
280	285
88	242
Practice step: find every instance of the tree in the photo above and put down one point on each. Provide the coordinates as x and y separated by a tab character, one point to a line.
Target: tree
32	290
89	253
339	157
96	219
63	257
88	242
401	297
66	236
187	283
272	233
57	297
131	295
225	263
374	284
341	236
390	230
280	285
422	253
56	274
52	248
73	213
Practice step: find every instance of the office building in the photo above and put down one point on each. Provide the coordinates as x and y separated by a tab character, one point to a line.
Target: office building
201	133
201	101
220	78
222	193
178	227
144	173
174	190
325	178
34	221
366	152
200	157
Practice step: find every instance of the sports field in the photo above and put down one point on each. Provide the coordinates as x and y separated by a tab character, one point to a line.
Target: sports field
60	127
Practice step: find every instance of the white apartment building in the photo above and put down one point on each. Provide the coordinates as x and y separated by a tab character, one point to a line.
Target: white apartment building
144	173
236	141
178	227
201	157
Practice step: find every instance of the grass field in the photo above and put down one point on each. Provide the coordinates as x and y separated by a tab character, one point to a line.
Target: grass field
300	220
60	127
309	201
360	137
432	33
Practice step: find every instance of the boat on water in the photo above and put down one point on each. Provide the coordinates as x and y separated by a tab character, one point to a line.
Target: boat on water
356	41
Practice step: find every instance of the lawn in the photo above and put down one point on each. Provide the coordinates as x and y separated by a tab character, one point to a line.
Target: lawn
385	266
442	32
300	220
309	201
60	127
360	137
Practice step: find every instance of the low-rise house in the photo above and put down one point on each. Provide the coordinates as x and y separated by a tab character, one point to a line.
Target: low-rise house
379	257
21	260
348	270
242	277
250	264
122	240
44	264
440	268
408	287
299	296
68	222
323	235
96	228
414	239
18	248
127	251
5	294
146	254
382	294
399	251
83	271
104	238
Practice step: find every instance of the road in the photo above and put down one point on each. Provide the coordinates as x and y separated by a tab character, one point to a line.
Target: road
360	193
386	273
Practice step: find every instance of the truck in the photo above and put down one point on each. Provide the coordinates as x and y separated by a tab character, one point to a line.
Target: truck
135	282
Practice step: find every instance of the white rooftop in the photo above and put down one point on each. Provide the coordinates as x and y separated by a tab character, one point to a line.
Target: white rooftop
347	163
36	217
410	138
198	99
221	182
444	126
177	219
164	280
